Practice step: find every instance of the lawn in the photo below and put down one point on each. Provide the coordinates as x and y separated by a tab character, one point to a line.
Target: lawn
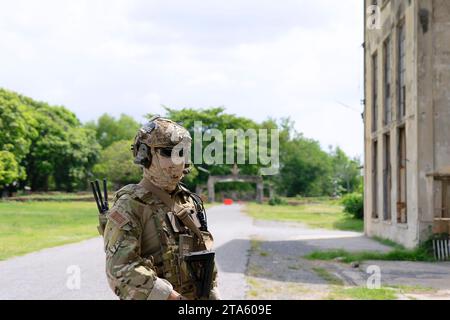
29	226
320	214
418	254
360	293
55	196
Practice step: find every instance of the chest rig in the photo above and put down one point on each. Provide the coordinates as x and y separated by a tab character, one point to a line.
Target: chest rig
185	257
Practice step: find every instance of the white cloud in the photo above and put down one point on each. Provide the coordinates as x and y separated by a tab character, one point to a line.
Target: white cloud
258	58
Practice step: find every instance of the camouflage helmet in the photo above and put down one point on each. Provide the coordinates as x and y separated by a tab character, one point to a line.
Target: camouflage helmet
157	133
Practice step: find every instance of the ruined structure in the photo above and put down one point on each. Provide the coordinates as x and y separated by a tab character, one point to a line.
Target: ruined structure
236	177
407	119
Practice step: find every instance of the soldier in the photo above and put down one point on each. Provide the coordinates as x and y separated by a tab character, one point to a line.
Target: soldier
153	224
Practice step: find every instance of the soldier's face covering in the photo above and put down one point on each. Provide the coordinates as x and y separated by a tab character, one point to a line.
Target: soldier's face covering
166	169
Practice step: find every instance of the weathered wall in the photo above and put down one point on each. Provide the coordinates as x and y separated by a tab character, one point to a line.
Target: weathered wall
434	105
441	81
425	113
427	116
391	14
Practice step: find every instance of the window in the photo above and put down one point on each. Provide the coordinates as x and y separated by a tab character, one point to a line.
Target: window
387	180
387	81
375	180
374	92
401	177
401	72
446	199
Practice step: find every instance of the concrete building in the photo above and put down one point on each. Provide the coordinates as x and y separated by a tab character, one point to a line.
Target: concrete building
407	119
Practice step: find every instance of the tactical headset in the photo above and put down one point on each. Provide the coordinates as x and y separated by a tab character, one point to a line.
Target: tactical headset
141	152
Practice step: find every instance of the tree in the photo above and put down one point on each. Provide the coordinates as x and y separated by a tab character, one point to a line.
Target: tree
9	169
61	157
109	130
51	148
17	131
346	171
305	168
73	168
116	164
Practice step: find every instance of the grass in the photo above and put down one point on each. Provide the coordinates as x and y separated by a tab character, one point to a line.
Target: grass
255	245
209	205
32	223
405	289
419	254
56	196
325	214
384	293
361	293
388	243
328	277
30	226
308	200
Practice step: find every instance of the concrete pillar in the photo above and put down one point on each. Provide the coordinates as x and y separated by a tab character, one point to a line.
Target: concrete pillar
271	192
259	191
211	191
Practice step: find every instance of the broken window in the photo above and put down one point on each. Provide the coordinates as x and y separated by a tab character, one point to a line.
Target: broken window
387	81
387	180
375	180
402	177
374	92
401	72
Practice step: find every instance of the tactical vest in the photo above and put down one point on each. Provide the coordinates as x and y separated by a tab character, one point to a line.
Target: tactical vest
174	241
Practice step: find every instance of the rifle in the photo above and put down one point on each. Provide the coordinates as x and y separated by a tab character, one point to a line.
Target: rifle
102	203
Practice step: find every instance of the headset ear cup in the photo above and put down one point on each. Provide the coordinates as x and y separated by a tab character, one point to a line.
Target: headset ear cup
143	156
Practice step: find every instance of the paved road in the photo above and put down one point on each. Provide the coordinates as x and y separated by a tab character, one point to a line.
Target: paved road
49	274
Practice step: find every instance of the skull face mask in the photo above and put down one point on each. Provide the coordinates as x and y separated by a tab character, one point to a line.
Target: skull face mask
166	169
162	148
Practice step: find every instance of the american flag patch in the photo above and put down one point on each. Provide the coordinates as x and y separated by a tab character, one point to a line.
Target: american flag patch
118	218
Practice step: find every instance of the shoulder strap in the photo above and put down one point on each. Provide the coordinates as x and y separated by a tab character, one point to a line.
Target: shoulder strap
181	212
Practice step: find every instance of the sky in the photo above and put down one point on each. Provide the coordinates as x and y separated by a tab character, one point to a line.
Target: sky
257	58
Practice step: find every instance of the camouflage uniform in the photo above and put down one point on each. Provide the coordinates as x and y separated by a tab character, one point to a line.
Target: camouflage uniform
143	260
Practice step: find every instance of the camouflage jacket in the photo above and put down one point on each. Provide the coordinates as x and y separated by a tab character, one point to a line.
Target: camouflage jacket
142	249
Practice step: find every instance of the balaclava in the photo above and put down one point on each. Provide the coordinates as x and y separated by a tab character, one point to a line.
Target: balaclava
169	145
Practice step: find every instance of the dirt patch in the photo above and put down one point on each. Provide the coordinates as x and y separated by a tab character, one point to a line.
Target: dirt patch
275	275
275	272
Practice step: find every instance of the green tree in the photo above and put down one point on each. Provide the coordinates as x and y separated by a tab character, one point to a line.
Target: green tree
116	164
9	169
346	171
49	144
62	155
109	130
17	130
305	169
